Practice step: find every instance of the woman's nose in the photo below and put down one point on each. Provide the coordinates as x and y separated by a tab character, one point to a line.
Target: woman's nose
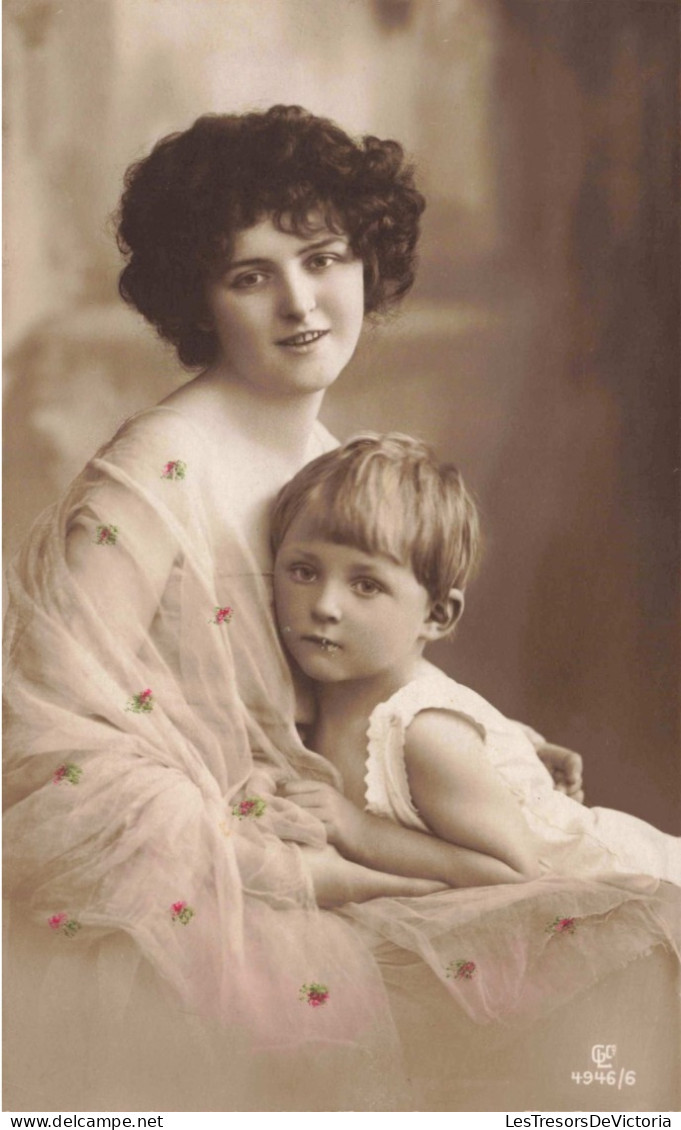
298	296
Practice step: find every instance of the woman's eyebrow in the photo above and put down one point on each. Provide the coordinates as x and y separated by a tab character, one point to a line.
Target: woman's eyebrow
317	246
260	261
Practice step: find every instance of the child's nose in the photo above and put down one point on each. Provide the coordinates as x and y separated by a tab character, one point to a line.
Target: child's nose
327	605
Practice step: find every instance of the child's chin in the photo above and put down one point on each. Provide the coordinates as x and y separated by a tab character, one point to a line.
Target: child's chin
319	669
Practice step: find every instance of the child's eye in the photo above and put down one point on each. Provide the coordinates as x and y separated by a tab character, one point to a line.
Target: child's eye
366	586
303	574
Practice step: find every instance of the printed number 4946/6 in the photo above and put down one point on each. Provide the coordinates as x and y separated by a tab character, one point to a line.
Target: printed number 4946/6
612	1078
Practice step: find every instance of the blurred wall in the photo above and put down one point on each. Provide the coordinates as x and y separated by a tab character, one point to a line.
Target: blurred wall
539	348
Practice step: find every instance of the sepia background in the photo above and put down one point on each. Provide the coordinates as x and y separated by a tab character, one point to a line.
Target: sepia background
539	349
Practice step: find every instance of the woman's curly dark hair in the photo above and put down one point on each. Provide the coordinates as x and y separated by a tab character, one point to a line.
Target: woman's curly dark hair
183	204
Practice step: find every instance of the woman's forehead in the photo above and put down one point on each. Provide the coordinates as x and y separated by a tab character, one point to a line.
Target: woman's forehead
270	234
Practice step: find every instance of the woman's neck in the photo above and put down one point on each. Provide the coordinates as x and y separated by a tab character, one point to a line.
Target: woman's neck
280	425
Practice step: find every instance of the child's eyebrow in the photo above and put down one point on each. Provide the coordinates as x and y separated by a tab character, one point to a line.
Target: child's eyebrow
365	561
298	551
369	564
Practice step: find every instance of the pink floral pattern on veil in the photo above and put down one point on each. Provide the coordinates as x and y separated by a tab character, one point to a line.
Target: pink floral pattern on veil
314	994
62	924
141	703
461	970
175	469
67	772
222	615
106	535
562	926
251	806
182	912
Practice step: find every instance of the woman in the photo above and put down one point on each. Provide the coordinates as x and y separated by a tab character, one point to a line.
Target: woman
139	715
152	713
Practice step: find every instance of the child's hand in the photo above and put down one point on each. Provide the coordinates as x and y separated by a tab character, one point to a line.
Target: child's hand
565	766
340	817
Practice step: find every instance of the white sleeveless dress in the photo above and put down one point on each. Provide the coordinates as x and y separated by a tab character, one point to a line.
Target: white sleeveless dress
575	840
609	892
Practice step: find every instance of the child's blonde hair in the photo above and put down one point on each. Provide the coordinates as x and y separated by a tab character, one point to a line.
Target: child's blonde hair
388	494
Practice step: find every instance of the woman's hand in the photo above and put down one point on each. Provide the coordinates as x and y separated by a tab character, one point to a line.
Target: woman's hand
342	819
565	766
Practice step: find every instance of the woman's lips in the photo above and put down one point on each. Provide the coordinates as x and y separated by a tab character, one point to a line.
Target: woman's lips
306	337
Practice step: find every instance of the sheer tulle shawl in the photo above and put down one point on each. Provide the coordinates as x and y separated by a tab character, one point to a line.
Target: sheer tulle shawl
150	716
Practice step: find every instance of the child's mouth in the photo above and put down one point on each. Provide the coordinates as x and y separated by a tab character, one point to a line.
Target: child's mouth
324	643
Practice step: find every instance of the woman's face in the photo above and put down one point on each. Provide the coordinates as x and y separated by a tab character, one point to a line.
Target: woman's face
288	310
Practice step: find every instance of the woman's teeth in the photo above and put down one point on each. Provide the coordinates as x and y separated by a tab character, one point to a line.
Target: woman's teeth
304	338
328	645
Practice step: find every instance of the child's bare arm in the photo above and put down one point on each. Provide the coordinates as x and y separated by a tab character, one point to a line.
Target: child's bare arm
337	880
460	795
479	835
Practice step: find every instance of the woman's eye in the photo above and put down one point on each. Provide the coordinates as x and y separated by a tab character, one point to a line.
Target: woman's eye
303	574
365	586
321	262
248	281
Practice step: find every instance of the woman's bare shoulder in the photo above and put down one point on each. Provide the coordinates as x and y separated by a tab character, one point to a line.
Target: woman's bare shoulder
159	436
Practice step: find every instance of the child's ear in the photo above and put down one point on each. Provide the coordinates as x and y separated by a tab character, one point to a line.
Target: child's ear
444	615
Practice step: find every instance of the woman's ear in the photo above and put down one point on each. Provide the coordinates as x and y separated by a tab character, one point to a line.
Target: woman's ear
443	615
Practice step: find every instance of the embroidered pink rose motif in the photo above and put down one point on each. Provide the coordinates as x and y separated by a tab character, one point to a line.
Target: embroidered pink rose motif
315	994
175	469
251	806
63	924
222	615
106	535
562	926
461	970
181	912
67	772
142	703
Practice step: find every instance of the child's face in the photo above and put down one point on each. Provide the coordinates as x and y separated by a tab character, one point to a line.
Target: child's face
345	614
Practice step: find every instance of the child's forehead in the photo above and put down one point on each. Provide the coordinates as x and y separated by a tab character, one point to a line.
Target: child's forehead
316	541
304	535
327	520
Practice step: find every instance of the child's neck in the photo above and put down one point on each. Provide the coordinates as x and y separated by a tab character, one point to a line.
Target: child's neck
340	730
357	698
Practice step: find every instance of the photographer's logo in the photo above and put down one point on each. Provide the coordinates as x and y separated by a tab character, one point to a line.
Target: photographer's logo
603	1054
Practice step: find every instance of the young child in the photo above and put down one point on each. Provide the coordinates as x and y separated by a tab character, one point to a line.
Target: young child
374	543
